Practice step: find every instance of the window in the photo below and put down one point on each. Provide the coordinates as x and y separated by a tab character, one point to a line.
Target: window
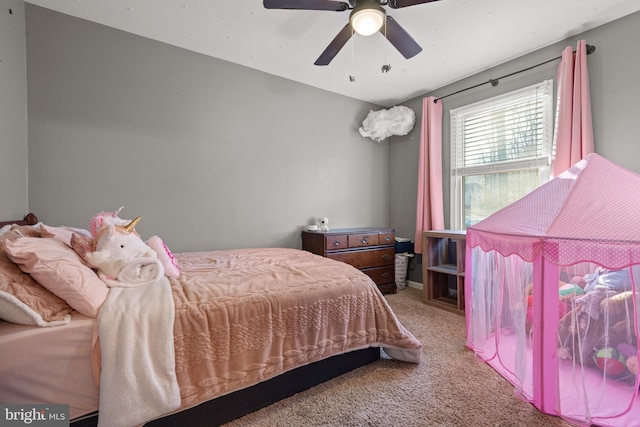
500	151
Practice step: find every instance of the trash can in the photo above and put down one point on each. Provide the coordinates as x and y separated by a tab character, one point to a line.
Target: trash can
404	251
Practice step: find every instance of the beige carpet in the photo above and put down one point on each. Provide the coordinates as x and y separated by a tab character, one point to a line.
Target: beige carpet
448	388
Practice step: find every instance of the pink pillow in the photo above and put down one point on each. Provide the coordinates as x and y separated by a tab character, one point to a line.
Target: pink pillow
63	233
25	301
22	299
165	256
58	268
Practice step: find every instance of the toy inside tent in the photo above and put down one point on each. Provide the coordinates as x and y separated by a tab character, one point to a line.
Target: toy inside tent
551	297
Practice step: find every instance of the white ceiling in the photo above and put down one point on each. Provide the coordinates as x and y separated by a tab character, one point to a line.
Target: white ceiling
458	37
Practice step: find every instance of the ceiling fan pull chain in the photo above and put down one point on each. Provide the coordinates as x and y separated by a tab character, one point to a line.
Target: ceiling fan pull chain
385	45
352	76
386	67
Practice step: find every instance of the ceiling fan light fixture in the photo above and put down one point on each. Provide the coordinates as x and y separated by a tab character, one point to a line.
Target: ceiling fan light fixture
367	20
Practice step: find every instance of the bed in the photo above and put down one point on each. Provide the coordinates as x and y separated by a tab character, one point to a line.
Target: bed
249	327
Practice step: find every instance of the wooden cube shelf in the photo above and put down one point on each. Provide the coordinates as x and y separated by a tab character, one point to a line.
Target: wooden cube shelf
443	256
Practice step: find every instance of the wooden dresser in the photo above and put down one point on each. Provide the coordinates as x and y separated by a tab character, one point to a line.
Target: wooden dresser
369	249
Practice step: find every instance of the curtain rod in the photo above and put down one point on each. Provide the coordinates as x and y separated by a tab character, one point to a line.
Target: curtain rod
494	82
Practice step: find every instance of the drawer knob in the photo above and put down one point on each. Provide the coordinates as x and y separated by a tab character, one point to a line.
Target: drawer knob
385	275
364	241
387	239
385	257
336	243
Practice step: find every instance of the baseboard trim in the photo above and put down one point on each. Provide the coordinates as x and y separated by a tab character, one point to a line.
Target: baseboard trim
416	285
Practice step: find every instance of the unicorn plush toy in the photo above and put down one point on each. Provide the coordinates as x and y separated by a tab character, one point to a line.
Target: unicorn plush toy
122	258
116	246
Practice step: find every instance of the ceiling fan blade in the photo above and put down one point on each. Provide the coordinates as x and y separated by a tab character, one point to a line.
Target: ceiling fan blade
306	5
397	4
334	47
399	38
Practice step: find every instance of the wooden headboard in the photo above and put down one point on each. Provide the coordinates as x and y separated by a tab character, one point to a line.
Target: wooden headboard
29	219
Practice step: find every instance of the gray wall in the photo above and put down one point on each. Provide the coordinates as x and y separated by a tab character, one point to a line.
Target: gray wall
216	155
13	111
615	90
212	154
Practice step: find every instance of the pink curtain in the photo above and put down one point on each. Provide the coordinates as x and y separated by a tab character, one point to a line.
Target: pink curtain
573	138
429	211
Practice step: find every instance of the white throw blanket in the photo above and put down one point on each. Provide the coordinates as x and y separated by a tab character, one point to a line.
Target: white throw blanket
138	379
138	272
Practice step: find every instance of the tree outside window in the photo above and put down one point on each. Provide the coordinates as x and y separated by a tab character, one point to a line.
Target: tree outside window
500	151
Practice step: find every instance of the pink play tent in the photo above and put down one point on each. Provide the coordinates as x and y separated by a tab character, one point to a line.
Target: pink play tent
551	294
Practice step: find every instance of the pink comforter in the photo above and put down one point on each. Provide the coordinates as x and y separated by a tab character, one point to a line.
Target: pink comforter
244	316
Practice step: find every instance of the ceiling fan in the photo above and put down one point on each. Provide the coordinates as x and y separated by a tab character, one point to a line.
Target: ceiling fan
367	17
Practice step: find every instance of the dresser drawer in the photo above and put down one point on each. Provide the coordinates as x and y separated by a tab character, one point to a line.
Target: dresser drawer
387	239
336	242
363	240
381	275
366	258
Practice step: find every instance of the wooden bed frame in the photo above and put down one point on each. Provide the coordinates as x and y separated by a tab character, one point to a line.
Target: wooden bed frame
29	219
242	402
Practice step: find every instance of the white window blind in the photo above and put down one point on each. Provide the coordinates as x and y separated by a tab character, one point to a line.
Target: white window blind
500	150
